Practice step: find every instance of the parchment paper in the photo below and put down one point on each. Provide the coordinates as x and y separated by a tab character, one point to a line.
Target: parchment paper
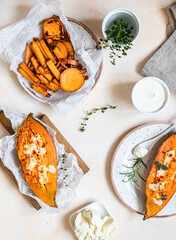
8	154
12	49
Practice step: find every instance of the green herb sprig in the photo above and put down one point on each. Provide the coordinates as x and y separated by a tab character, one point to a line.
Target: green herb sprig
94	110
120	35
164	167
135	170
63	156
163	197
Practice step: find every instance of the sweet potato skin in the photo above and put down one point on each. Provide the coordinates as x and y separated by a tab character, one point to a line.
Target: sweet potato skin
30	130
153	178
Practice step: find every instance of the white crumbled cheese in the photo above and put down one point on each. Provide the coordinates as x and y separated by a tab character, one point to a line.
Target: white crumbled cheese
34	147
161	172
169	157
158	202
157	186
90	226
51	169
154	186
32	163
43	179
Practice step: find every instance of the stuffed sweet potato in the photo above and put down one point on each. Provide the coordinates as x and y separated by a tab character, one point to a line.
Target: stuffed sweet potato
37	154
161	181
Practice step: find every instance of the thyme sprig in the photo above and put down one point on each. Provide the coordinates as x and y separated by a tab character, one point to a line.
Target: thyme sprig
135	170
164	167
63	156
94	110
120	37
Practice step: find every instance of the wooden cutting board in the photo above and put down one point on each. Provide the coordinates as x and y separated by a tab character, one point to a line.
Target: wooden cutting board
68	148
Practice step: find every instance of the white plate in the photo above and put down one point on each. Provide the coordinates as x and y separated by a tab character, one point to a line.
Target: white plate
96	206
131	195
89	40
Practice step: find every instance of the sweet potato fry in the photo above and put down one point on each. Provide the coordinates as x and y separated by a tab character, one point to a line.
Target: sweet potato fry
29	72
41	90
38	54
29	54
70	61
58	64
52	86
48	75
60	51
35	63
53	69
56	82
71	80
30	66
69	49
40	47
24	74
47	51
82	71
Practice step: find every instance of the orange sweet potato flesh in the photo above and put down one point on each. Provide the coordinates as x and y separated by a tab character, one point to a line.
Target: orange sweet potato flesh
164	180
69	49
53	28
38	158
71	80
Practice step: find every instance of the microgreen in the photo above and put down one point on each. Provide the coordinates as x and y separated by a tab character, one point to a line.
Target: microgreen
120	35
163	197
164	167
94	110
135	170
63	157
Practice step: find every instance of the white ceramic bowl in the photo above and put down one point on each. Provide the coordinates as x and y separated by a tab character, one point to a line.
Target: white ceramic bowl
166	91
126	15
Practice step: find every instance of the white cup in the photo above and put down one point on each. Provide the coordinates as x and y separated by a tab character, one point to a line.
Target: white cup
126	15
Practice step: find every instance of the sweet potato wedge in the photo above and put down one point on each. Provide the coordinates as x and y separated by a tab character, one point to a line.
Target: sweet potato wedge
29	54
47	75
38	53
71	80
47	51
38	158
60	51
53	28
161	181
69	49
53	69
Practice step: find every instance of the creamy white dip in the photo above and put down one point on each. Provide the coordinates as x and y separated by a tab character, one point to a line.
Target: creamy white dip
149	95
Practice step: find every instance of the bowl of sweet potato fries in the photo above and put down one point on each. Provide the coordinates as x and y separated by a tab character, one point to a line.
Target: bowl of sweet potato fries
50	63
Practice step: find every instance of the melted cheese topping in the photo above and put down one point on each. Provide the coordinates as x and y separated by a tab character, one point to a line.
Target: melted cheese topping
157	186
51	169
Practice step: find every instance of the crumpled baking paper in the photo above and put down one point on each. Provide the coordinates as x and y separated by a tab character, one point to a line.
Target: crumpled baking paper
12	49
8	154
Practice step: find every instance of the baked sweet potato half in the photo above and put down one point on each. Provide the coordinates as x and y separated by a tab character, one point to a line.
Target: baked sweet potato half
38	158
161	181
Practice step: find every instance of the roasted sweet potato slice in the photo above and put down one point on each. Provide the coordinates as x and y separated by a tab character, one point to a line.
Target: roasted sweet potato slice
53	28
29	54
71	80
38	158
69	49
60	51
161	181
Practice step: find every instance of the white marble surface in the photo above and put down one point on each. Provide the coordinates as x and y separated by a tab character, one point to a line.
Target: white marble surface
18	219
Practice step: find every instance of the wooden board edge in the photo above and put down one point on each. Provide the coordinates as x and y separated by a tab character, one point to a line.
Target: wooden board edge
68	148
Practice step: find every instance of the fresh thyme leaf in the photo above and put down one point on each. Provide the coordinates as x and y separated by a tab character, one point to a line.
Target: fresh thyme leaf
94	110
157	163
63	157
120	35
163	197
164	167
135	170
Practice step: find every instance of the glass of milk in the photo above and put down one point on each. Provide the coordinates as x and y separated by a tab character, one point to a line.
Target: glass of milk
150	95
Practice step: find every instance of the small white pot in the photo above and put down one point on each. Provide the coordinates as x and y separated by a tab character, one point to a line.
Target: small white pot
126	15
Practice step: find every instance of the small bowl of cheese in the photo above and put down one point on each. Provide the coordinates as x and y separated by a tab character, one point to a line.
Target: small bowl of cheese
93	222
150	95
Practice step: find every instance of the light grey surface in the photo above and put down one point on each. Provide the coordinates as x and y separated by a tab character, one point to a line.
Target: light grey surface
163	63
